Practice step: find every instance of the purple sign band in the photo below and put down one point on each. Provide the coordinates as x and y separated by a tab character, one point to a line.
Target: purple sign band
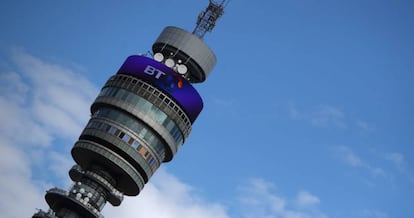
167	80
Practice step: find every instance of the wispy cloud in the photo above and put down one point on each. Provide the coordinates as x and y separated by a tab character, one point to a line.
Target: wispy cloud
396	158
222	105
349	157
369	213
306	199
365	126
260	200
321	116
328	116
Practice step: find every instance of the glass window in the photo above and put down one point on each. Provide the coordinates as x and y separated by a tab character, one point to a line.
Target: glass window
93	124
135	144
131	98
125	137
170	125
147	107
136	126
97	125
112	130
117	132
149	137
105	127
121	134
159	148
151	161
146	153
112	92
124	95
143	132
141	149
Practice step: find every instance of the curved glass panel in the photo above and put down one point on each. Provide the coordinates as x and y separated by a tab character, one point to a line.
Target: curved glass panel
130	140
139	128
148	108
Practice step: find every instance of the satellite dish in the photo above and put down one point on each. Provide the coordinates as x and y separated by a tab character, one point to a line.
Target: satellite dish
170	62
158	57
182	69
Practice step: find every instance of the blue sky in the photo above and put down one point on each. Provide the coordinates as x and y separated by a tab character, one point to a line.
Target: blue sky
308	112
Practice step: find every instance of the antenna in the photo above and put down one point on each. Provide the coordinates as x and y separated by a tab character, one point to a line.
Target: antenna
208	18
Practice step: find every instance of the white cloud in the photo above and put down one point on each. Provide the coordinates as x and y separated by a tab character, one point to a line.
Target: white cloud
322	116
16	120
167	197
369	213
350	158
306	199
19	195
40	102
59	98
259	200
396	158
365	126
328	116
61	166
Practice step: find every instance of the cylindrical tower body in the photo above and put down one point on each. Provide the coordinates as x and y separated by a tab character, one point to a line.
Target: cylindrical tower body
140	119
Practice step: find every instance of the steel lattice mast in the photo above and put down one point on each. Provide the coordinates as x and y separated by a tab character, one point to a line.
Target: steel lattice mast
140	119
207	19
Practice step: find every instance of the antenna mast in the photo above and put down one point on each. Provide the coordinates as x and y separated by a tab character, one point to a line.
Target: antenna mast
208	18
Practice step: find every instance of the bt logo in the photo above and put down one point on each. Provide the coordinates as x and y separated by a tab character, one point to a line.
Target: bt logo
150	70
169	81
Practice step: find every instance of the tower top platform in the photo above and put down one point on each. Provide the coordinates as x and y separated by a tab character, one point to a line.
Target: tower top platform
186	48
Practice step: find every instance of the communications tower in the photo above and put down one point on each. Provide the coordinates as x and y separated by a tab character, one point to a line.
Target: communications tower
140	119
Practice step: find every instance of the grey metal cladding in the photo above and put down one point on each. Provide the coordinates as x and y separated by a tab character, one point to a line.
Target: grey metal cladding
191	45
